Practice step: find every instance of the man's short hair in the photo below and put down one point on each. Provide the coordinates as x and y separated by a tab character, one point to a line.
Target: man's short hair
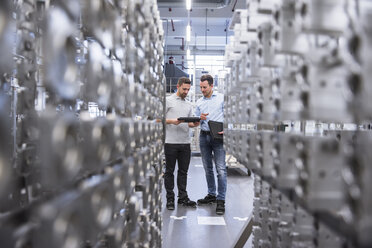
183	80
207	77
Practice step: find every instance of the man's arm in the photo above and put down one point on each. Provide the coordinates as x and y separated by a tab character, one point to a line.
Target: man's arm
173	121
194	124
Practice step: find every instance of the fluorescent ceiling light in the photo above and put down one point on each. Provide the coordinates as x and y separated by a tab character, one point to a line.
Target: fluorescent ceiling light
188	4
188	32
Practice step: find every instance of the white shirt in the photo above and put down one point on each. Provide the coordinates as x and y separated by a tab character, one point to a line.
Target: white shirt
177	107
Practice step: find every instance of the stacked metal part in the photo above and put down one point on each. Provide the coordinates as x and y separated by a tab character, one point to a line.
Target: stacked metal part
81	142
298	114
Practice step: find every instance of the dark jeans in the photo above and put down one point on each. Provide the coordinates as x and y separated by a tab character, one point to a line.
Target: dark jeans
180	153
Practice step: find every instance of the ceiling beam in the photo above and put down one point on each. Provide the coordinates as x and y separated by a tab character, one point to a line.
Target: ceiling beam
196	4
196	52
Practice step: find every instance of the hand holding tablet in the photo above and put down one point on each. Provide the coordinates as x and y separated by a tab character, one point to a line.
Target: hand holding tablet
189	119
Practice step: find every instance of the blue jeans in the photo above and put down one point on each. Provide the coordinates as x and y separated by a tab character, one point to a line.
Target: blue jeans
207	146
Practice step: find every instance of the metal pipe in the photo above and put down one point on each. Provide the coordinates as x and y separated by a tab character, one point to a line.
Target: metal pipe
233	9
206	27
226	29
173	29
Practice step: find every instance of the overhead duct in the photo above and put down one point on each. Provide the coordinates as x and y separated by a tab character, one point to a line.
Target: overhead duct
196	4
172	74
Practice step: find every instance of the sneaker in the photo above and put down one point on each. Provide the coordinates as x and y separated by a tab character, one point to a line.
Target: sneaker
220	209
207	200
187	202
170	204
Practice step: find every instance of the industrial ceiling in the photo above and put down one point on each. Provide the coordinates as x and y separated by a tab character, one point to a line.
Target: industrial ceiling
209	21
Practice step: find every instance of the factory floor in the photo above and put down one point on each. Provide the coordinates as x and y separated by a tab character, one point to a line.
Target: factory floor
202	227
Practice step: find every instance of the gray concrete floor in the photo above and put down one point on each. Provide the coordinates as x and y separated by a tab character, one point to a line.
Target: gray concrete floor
180	226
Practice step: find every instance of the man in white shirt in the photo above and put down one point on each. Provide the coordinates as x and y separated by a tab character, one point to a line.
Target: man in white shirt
177	144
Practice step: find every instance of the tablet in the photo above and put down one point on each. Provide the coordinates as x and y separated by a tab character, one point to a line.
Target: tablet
189	119
215	127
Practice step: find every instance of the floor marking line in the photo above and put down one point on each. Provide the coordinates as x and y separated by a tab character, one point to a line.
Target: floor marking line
178	218
216	221
241	219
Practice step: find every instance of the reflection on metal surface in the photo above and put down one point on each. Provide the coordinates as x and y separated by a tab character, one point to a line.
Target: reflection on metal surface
299	118
65	230
77	123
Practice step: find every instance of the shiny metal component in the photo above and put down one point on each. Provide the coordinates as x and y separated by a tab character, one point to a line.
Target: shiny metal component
243	153
288	168
62	73
268	56
293	101
366	56
301	119
329	93
118	91
101	20
128	126
115	233
323	187
265	36
119	137
256	103
139	173
6	39
265	6
273	220
233	134
323	17
288	35
132	232
97	137
363	171
120	188
99	75
7	177
139	134
253	52
270	97
62	222
268	143
327	238
286	216
60	150
84	131
254	151
359	62
303	229
102	201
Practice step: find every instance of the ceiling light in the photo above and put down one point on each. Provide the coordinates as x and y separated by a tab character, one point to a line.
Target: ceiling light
188	32
188	55
188	4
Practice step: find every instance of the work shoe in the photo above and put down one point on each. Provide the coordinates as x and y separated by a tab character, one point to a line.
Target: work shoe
170	204
187	202
207	200
220	209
